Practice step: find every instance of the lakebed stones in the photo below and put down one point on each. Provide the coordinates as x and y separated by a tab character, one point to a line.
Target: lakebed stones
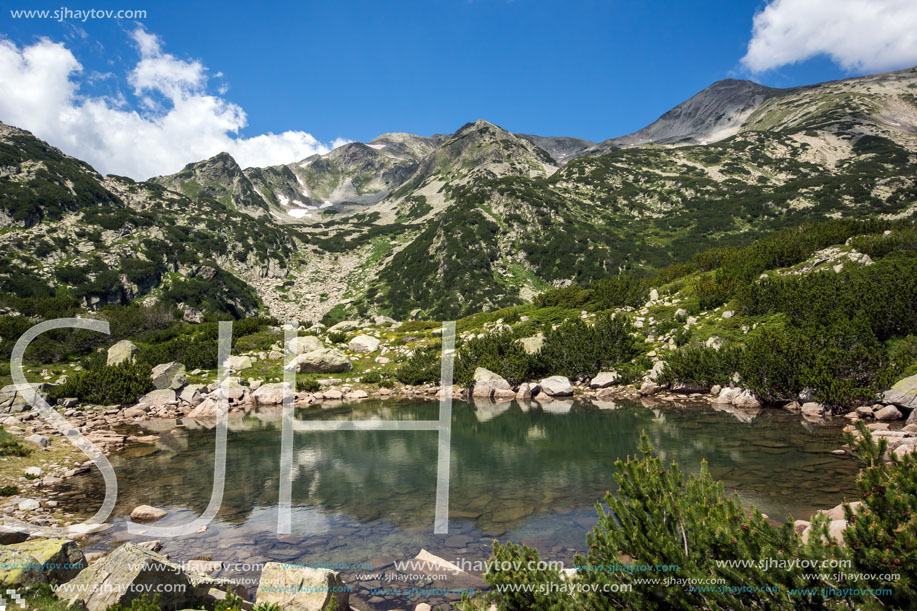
326	360
557	386
304	344
486	382
147	513
121	577
301	588
168	375
364	343
123	352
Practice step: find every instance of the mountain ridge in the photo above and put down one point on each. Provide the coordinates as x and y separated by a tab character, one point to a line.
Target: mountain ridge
453	223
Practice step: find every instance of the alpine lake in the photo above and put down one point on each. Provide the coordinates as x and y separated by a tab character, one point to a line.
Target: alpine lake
365	499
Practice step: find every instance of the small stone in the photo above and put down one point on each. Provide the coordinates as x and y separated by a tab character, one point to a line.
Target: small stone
146	513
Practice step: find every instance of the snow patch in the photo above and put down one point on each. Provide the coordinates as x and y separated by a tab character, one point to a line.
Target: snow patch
326	204
376	146
298	213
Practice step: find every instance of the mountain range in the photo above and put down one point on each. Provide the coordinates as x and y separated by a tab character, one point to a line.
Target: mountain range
452	224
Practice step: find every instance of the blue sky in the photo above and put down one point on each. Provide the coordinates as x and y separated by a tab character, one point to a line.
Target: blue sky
354	69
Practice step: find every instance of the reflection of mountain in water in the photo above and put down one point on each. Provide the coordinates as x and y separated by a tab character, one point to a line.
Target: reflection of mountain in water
507	464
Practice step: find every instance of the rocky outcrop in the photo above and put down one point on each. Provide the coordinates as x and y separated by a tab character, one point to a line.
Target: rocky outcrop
301	588
123	352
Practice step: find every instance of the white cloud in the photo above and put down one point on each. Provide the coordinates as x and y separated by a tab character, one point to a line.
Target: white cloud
858	35
178	122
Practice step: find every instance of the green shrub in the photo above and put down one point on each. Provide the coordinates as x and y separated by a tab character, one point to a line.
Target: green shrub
577	349
9	491
371	377
307	385
337	337
701	364
690	526
11	446
117	384
422	367
499	352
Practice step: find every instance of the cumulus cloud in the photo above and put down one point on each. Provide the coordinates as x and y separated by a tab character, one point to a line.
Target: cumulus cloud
858	35
178	120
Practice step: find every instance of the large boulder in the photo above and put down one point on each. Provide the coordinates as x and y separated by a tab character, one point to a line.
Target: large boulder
169	375
126	574
604	379
18	568
486	382
304	344
302	588
903	393
747	400
326	360
158	398
192	393
13	401
557	386
889	413
238	363
272	394
123	352
60	559
364	343
813	409
344	326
